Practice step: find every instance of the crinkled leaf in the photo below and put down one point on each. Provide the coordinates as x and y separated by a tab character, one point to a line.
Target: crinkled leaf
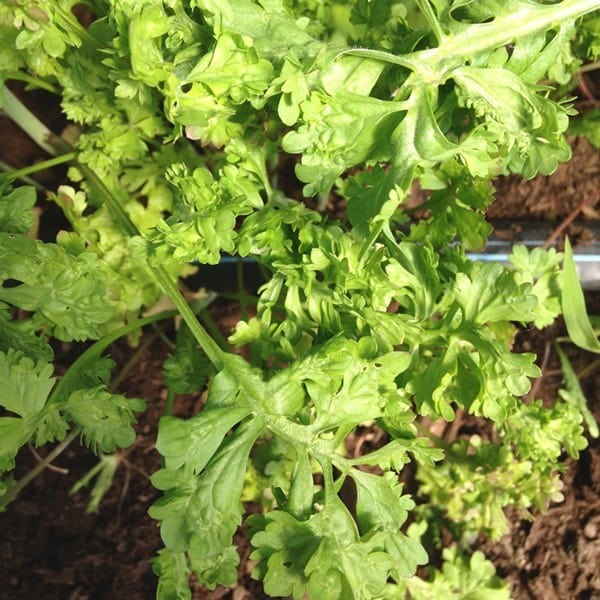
19	337
16	215
467	578
542	434
490	293
381	508
413	269
193	442
69	292
323	556
587	126
541	269
173	573
25	384
395	454
14	433
200	514
106	419
187	369
26	387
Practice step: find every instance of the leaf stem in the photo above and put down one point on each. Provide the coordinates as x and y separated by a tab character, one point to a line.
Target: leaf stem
213	329
76	26
28	180
132	361
429	14
33	82
436	439
588	67
210	347
15	489
500	32
51	143
169	404
588	369
42	166
28	122
239	271
94	351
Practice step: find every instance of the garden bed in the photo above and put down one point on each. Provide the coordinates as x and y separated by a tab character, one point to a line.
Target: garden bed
53	546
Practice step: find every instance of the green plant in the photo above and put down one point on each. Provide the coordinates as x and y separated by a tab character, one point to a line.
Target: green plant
186	112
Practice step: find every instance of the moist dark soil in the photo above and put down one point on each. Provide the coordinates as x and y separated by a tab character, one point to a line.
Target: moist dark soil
51	547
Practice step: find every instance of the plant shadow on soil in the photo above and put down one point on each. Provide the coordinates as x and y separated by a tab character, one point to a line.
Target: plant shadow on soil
51	548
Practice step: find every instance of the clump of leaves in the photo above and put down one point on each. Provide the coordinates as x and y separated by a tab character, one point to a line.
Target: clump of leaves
186	112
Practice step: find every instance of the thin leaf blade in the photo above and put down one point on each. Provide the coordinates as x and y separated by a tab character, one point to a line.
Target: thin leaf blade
579	328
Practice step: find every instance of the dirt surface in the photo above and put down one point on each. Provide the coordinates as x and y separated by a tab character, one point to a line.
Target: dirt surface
51	548
556	554
556	196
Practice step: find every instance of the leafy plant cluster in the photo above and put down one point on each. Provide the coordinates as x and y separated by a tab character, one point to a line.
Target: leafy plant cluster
188	114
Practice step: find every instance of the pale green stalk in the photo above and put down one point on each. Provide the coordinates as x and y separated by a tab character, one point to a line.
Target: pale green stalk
28	122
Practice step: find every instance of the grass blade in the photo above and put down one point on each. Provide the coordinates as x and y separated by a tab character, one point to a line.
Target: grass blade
579	328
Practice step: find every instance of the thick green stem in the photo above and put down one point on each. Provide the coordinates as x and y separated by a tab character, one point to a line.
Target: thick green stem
210	347
214	330
28	122
499	32
432	65
169	403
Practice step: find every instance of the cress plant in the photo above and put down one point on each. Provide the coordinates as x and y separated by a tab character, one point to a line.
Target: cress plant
187	115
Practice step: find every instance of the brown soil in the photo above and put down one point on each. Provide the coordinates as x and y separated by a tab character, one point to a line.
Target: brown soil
556	554
51	548
555	196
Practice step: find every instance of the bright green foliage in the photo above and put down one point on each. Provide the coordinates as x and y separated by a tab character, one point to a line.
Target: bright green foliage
325	557
189	114
172	571
573	395
479	479
68	293
105	419
461	578
541	269
26	388
588	126
35	34
187	369
16	215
